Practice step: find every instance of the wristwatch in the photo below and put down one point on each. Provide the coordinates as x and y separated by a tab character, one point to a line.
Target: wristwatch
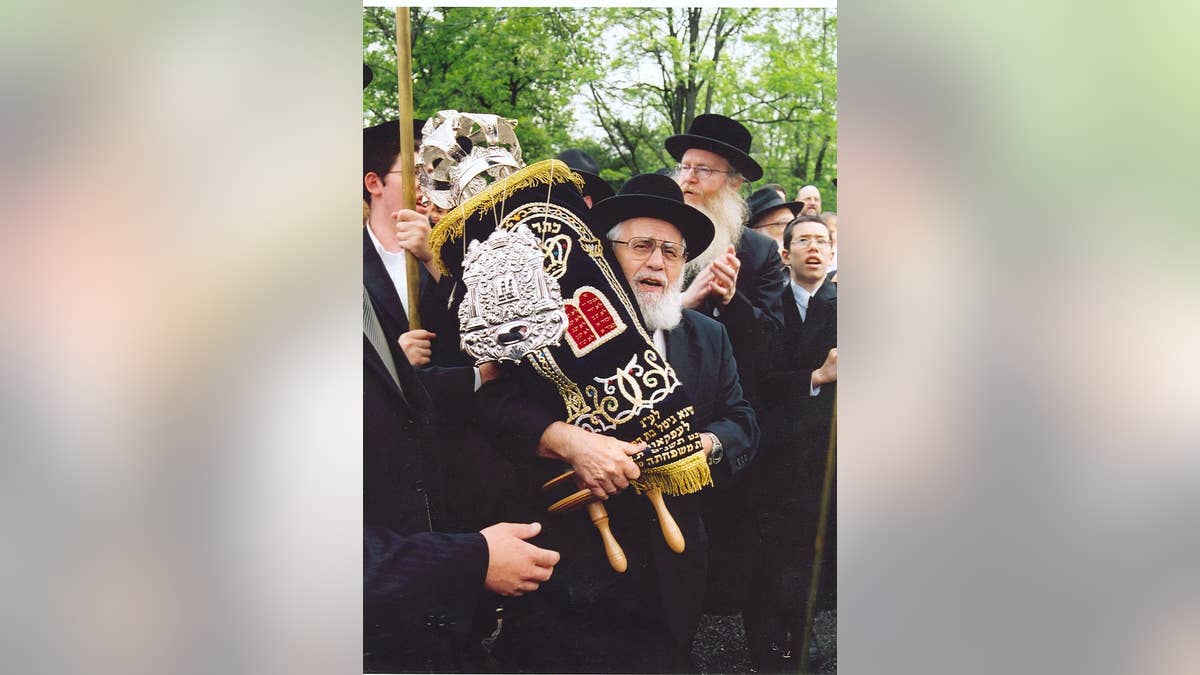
718	450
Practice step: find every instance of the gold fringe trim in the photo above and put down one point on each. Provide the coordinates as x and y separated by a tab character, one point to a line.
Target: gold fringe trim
683	477
450	227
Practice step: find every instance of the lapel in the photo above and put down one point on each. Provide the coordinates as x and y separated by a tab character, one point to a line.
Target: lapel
372	359
792	322
681	347
821	305
383	291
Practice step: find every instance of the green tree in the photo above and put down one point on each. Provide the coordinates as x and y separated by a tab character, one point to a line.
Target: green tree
617	81
506	61
774	70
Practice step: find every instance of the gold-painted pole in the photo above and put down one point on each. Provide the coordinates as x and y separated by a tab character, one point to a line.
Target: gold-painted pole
407	166
819	547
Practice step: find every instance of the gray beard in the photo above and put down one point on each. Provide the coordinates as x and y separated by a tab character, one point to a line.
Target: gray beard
727	210
663	312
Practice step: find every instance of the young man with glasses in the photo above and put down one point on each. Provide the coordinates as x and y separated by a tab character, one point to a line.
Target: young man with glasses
796	418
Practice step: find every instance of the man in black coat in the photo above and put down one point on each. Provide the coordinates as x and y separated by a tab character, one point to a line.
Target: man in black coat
801	374
486	480
422	586
588	618
738	281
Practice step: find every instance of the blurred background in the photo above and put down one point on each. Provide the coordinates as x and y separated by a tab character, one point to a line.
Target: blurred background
1018	432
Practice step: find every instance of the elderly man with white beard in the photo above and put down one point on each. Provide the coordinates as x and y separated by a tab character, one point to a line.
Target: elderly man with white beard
587	618
652	230
738	280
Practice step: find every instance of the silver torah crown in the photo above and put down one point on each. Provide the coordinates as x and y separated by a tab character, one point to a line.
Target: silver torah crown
460	151
512	306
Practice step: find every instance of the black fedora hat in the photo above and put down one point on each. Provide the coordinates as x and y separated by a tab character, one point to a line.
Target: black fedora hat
722	135
765	200
583	164
386	136
650	195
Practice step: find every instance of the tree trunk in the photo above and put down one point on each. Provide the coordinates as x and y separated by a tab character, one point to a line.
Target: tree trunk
820	158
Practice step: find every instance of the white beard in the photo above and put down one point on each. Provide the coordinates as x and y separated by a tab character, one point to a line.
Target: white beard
727	210
661	310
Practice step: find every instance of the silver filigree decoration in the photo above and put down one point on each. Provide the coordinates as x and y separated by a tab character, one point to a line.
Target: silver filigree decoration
512	307
460	151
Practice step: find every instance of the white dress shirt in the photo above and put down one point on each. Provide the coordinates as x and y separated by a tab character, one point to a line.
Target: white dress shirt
397	268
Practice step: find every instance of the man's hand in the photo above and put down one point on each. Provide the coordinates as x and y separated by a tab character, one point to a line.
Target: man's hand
717	280
417	346
724	276
516	567
698	290
601	462
412	234
488	371
828	371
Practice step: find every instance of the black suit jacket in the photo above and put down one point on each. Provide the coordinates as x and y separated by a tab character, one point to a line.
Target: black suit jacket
583	584
420	586
796	426
755	313
700	352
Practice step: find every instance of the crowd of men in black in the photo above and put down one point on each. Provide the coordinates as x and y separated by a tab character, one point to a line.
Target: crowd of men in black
741	297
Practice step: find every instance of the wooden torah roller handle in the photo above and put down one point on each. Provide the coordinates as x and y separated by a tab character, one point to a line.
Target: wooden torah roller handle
666	521
612	550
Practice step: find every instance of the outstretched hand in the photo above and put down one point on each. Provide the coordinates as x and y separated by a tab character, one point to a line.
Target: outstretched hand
516	567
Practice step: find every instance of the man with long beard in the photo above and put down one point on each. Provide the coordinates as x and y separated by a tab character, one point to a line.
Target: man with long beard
738	280
587	618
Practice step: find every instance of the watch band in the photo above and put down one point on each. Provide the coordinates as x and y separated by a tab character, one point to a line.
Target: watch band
718	450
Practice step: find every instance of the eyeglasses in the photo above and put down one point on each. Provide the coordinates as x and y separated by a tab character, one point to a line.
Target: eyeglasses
701	171
763	226
804	242
643	247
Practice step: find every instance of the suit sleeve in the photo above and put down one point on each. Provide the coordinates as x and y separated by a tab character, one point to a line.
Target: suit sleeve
733	418
514	418
758	301
450	388
424	575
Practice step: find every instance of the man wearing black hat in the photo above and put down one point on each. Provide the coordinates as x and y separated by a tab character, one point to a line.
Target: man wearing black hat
595	188
391	231
770	214
588	618
739	281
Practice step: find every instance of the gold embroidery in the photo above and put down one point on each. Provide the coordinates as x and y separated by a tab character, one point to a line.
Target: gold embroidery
543	362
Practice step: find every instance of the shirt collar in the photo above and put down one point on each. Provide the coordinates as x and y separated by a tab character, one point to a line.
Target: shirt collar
383	252
801	294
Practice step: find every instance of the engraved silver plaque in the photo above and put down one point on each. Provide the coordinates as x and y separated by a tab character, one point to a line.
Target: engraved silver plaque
512	306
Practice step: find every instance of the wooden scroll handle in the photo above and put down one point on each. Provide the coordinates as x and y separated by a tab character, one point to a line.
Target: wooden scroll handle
616	557
670	529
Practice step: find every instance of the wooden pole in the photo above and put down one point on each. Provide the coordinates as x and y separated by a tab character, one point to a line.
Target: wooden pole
407	166
819	545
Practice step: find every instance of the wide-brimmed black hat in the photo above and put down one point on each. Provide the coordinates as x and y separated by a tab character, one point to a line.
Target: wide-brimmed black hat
765	200
583	164
368	75
722	135
387	135
650	195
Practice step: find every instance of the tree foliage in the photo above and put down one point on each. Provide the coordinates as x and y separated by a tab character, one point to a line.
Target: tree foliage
617	81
